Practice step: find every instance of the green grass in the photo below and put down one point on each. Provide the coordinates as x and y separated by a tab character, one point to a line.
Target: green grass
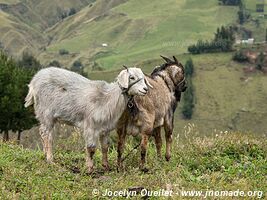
225	161
138	30
9	1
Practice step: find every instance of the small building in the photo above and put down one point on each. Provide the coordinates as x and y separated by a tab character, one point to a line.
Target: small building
248	41
251	41
244	41
261	6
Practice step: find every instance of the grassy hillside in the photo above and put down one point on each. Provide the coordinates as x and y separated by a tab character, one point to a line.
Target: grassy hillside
135	30
225	98
23	23
228	162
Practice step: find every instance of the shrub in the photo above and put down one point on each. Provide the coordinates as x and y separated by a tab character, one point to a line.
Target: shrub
230	2
72	11
187	109
55	63
260	61
240	56
29	61
77	66
63	52
188	106
223	41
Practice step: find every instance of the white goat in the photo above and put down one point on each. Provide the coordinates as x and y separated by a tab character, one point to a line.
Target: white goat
93	106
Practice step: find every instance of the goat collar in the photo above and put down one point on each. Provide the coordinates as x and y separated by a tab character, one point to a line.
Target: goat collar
125	90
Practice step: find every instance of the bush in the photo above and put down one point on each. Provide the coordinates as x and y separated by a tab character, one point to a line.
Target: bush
63	52
72	11
187	109
230	2
240	56
77	66
55	63
189	68
29	61
223	42
260	61
243	14
188	106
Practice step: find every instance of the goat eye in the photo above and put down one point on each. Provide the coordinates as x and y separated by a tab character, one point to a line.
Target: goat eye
132	78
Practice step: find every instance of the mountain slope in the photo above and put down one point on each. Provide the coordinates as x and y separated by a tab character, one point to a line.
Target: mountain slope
23	23
135	30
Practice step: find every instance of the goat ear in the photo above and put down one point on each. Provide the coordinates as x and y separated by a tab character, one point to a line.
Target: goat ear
166	59
147	82
123	78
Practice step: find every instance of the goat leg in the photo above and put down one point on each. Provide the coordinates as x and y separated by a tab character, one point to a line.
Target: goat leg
49	148
168	136
46	136
144	144
104	146
158	140
89	158
121	143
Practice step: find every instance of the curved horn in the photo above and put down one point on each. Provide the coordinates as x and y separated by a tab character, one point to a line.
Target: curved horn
125	67
166	59
175	60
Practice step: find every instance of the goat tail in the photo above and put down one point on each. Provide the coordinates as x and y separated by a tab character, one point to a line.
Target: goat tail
30	96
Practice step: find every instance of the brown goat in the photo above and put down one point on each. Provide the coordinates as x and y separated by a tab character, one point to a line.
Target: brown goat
146	115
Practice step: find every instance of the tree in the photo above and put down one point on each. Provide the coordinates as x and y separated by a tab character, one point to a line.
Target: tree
223	41
230	2
189	68
243	14
240	56
188	106
187	109
29	61
13	89
63	51
77	66
72	11
260	61
266	36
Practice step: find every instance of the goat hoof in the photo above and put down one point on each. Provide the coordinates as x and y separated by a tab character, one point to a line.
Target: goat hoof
144	169
50	162
106	168
90	170
119	168
168	158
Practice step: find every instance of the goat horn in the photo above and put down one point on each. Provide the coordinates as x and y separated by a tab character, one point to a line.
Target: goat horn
125	67
166	59
175	60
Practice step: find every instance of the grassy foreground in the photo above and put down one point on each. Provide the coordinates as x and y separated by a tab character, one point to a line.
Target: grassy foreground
225	161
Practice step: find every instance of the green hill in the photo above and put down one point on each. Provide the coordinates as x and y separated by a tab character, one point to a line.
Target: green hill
23	23
226	162
135	30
